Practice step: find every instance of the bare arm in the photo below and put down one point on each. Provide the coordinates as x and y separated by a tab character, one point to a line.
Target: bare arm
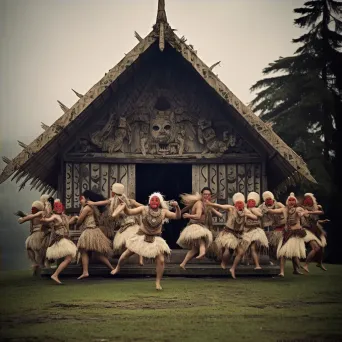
198	212
99	203
119	209
171	215
135	211
276	211
216	213
47	220
135	204
83	215
73	220
250	215
316	212
256	211
220	206
30	217
185	209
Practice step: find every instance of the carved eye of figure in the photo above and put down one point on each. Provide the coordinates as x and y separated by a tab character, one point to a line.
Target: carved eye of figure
156	128
167	127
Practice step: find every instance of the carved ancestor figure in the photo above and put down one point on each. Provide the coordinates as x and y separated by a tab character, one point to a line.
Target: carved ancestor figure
147	241
197	236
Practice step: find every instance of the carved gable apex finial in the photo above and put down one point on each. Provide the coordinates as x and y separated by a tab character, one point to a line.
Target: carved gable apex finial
161	14
161	24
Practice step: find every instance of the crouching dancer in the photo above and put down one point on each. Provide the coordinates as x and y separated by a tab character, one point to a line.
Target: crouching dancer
147	242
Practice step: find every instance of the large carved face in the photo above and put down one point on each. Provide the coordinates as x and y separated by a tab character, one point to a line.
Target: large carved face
162	127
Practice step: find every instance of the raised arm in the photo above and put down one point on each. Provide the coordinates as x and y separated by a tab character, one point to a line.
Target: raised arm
173	216
135	204
256	211
276	211
185	209
134	211
226	207
119	209
250	215
99	203
30	217
86	210
47	220
198	212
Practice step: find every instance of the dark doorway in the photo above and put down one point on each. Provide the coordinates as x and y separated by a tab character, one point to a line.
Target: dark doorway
171	180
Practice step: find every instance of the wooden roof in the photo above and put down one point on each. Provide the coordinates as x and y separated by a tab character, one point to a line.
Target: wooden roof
34	161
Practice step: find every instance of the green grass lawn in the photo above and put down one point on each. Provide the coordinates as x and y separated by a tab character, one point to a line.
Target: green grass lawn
101	309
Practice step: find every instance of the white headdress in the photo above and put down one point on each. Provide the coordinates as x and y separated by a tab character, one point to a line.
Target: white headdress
161	199
292	195
254	196
267	194
44	198
238	197
118	188
57	200
38	204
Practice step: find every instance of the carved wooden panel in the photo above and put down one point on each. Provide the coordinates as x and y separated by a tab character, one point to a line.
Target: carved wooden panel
96	177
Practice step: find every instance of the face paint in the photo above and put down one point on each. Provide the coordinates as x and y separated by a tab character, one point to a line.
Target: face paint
308	201
239	205
34	210
58	208
291	202
251	203
154	202
269	202
206	195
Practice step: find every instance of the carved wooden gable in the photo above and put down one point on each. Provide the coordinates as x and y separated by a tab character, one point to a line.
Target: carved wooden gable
165	113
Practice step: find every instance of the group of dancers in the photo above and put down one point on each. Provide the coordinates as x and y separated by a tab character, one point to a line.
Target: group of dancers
122	226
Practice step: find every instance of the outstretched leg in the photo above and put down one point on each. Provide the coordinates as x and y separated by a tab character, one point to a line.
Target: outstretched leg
60	268
160	265
255	256
225	258
239	255
202	250
104	260
85	265
188	257
315	248
125	255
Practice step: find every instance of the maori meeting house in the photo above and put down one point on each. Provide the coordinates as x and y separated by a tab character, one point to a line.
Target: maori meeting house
160	120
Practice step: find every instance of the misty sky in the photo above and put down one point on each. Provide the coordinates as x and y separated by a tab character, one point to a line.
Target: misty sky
48	47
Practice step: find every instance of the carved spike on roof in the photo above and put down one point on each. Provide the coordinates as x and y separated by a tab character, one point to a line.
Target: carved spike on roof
6	160
63	106
45	127
214	65
22	144
161	14
77	94
136	35
20	176
22	185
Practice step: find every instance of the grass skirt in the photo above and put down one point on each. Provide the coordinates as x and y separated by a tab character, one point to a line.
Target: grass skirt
93	240
294	247
226	240
61	249
311	237
192	235
257	235
150	250
34	241
274	238
323	240
120	240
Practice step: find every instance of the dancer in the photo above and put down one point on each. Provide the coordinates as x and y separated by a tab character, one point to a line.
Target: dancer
147	242
253	235
117	220
315	234
46	226
60	245
273	225
197	236
92	239
291	245
231	237
34	242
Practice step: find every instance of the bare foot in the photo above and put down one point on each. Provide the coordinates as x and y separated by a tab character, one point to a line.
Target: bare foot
115	271
281	274
258	268
141	261
158	287
55	278
200	256
232	272
271	263
305	268
182	266
84	275
297	272
223	265
321	267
